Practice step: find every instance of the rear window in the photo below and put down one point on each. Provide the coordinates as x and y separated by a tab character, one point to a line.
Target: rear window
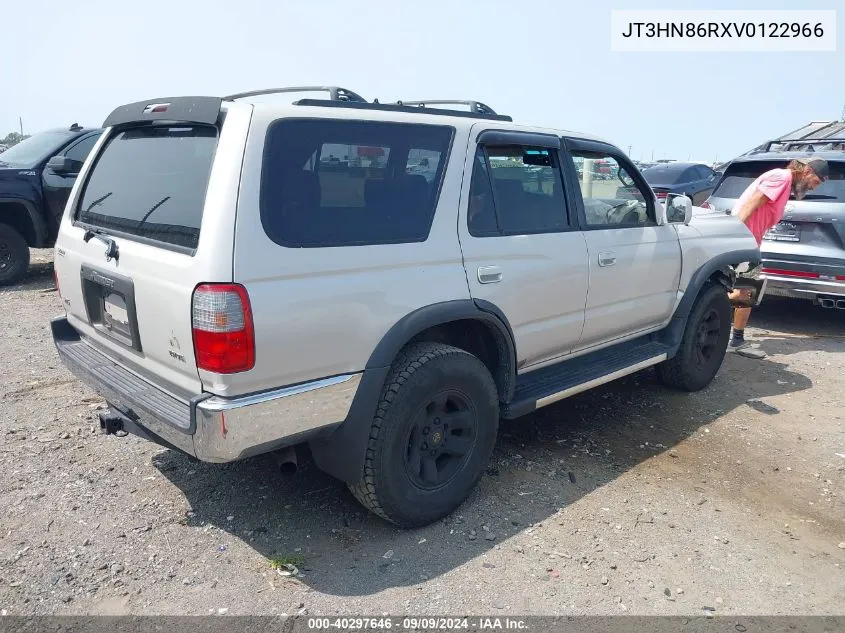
739	175
343	183
150	183
664	175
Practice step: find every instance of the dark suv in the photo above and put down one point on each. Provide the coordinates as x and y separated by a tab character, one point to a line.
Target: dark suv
36	177
803	255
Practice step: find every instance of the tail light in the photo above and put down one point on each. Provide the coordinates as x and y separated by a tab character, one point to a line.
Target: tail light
705	205
221	319
661	195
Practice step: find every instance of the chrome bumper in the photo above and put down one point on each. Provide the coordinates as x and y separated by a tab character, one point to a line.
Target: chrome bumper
804	288
208	427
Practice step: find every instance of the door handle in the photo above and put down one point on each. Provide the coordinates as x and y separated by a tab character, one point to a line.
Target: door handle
607	259
489	275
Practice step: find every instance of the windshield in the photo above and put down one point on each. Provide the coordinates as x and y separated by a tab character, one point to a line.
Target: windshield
151	183
739	175
664	174
29	152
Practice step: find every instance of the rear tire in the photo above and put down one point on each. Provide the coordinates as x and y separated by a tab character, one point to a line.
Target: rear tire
704	342
14	256
432	436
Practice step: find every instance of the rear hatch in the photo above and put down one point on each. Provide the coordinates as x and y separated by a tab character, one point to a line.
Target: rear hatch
812	230
151	217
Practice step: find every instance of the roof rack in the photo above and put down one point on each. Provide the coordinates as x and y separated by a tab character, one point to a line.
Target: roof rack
803	144
336	93
403	107
475	106
814	137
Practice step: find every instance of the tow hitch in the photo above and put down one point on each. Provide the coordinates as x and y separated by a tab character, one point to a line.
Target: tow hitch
111	423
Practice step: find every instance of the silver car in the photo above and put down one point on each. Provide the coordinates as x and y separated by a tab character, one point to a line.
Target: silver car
231	293
803	255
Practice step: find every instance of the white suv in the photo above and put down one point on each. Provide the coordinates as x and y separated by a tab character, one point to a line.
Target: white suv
381	281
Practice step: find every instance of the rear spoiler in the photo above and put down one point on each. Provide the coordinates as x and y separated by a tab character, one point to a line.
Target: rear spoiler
203	110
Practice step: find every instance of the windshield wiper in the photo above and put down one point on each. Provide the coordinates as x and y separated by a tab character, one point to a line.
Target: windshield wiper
97	201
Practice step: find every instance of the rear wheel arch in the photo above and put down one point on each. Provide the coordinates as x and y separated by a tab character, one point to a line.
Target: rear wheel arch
480	329
342	454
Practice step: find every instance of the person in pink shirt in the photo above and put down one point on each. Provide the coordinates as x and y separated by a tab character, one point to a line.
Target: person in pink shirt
761	206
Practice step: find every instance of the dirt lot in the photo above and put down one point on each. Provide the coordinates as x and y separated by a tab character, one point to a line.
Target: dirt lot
629	499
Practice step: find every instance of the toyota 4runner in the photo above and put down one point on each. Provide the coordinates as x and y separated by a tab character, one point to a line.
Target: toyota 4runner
381	281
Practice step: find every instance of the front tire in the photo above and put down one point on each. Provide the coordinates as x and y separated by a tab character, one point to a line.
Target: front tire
14	256
432	436
704	342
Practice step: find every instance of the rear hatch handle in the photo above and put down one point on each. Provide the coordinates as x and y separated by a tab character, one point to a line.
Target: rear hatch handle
112	252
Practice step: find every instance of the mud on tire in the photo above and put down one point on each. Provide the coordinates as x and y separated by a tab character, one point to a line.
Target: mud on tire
432	435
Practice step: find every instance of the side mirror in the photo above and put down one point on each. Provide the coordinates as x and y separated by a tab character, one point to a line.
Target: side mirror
679	210
60	164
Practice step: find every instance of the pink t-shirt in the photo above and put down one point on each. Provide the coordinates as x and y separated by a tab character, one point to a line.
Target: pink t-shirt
775	184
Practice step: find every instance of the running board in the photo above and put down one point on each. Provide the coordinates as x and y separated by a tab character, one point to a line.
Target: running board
545	386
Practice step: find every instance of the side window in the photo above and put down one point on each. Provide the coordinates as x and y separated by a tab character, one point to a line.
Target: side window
350	183
79	152
612	198
516	190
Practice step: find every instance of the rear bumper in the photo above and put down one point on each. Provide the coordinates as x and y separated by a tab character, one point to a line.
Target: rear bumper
209	427
820	280
812	289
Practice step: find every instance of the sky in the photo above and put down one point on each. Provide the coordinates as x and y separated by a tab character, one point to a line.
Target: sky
543	62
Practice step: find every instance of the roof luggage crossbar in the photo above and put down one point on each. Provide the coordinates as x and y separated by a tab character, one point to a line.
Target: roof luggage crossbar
790	143
336	93
475	106
394	107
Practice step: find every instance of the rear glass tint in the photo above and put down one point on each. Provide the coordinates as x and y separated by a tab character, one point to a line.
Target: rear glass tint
344	183
150	182
739	175
666	175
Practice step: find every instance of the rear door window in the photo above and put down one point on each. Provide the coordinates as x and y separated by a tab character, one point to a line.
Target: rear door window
150	183
343	183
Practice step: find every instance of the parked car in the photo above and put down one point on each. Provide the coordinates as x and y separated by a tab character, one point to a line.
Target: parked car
803	255
694	180
36	177
230	297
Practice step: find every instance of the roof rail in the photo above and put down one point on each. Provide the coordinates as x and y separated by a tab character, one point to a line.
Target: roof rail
336	93
395	107
796	144
475	106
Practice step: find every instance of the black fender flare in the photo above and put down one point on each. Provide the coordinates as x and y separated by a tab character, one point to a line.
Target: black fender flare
446	312
39	228
722	263
343	452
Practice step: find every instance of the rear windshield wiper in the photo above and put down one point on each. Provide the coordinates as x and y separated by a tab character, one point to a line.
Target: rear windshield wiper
96	202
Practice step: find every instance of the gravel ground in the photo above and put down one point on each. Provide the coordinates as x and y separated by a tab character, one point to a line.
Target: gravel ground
630	499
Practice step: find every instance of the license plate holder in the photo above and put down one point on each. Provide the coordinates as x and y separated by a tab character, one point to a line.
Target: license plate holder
110	305
784	232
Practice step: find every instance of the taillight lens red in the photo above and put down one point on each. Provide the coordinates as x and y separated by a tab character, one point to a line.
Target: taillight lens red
661	195
224	338
706	205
